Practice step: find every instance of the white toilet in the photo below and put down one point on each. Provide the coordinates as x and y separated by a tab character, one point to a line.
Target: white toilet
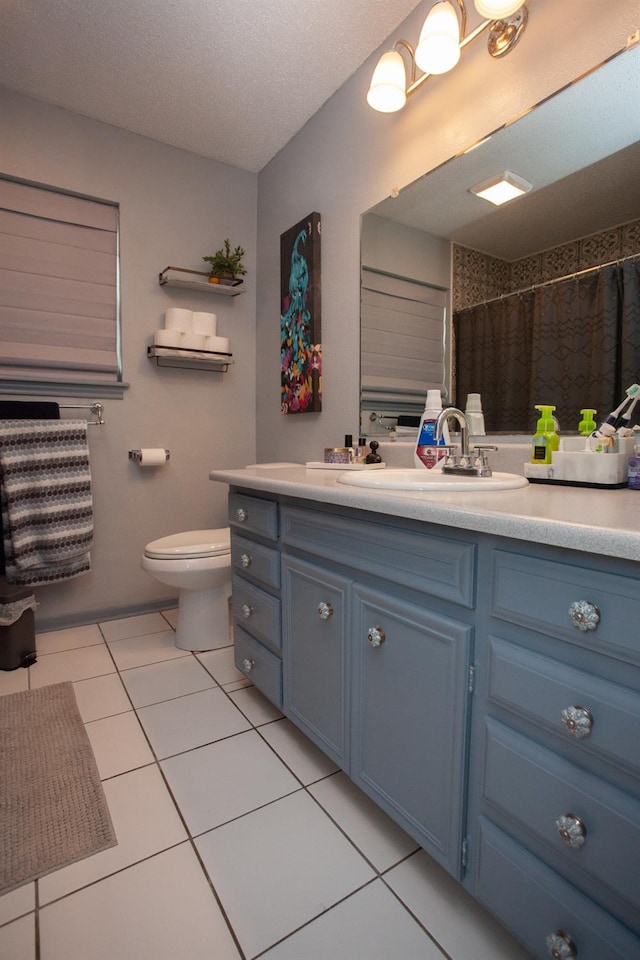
198	562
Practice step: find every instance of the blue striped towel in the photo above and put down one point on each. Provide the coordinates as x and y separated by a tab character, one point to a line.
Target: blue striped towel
45	494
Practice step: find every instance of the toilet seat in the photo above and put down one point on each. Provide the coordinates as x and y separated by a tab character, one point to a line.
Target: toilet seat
192	545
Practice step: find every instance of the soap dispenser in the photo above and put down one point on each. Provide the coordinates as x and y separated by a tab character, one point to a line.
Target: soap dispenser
587	425
430	453
546	439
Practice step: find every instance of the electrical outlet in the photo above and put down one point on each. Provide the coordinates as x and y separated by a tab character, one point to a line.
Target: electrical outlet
633	38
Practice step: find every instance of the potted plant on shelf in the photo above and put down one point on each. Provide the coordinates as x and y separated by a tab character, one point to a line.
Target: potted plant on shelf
226	265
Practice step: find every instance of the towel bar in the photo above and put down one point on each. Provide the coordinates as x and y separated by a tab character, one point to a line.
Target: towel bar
95	407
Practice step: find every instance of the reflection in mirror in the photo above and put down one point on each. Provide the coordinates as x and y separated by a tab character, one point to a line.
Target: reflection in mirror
580	149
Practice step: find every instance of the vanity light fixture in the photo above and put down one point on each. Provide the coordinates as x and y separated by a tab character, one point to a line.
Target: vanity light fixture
442	38
501	188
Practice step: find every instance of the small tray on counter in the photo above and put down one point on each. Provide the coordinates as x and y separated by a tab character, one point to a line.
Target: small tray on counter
321	465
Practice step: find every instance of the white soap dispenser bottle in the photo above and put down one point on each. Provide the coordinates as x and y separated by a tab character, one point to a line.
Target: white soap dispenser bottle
430	454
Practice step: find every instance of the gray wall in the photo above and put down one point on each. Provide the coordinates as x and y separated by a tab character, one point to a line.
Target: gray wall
174	208
348	157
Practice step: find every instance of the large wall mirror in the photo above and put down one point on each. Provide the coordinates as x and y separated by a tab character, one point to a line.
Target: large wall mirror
437	249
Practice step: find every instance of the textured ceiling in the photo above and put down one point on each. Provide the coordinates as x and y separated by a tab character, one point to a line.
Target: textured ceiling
233	80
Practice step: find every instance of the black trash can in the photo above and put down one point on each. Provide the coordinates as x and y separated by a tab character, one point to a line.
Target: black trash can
17	638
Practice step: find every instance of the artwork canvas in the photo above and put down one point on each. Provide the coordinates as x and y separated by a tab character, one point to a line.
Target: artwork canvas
300	338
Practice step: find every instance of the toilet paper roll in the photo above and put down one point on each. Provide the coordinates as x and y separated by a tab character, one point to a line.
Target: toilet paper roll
204	323
175	318
217	344
193	341
168	338
152	457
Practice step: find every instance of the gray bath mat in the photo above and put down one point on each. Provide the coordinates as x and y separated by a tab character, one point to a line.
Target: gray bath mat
53	810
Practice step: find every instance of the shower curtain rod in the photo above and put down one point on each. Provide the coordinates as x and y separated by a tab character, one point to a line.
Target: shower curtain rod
547	283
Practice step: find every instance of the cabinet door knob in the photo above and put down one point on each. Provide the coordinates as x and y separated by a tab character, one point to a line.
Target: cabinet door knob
248	665
571	830
560	946
247	610
584	615
242	515
245	560
376	636
578	721
325	610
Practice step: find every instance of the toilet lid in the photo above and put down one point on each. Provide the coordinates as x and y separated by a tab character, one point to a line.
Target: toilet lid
191	545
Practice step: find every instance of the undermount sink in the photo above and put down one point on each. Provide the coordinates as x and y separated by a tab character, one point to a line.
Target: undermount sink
417	479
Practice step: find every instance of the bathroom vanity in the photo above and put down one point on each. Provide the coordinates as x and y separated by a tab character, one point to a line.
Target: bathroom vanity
472	662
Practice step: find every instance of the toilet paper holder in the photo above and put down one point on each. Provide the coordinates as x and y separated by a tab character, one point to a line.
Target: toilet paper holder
137	455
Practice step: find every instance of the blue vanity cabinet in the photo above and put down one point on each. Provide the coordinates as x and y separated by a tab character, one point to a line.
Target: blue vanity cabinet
555	774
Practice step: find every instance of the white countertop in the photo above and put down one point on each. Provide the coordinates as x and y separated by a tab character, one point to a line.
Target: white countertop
596	521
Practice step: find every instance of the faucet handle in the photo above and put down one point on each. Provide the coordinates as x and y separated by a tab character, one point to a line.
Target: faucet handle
480	453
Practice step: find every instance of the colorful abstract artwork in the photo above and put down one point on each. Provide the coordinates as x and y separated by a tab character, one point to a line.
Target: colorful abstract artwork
300	339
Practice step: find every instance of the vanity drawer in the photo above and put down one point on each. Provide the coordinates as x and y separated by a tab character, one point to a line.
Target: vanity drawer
251	513
534	788
435	565
540	688
255	560
534	902
538	594
257	611
259	665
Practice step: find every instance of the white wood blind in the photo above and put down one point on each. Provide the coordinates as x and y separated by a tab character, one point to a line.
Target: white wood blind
402	351
58	286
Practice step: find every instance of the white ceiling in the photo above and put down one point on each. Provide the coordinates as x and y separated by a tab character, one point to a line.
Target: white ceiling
233	80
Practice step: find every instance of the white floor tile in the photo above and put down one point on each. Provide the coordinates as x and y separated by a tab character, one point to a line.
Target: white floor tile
69	639
298	752
456	922
162	681
18	939
191	721
256	708
279	867
381	840
132	626
77	664
118	744
101	697
369	925
171	616
145	821
147	648
14	681
14	904
220	665
236	685
162	909
224	780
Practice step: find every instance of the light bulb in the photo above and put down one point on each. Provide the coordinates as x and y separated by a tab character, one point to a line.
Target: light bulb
438	48
497	9
387	89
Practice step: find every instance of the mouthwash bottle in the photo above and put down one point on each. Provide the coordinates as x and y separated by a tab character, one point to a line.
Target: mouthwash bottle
545	440
430	453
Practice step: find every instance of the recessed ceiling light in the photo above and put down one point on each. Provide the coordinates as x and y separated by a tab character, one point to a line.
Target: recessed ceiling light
502	187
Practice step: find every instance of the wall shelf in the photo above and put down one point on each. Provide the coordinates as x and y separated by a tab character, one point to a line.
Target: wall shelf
191	359
197	280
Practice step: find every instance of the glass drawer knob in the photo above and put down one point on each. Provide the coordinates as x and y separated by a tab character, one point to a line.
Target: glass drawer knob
578	721
248	665
376	636
245	560
584	615
571	830
560	946
242	514
325	610
247	610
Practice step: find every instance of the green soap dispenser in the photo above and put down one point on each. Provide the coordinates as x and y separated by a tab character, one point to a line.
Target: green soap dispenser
587	425
546	439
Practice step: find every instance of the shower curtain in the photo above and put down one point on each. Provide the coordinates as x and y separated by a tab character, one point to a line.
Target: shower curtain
572	343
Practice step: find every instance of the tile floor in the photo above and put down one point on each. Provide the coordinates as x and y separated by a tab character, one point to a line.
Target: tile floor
237	838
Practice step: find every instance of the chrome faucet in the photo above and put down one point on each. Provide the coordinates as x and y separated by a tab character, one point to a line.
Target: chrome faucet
464	464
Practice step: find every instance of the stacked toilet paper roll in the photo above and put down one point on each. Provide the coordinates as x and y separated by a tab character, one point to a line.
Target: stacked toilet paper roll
191	330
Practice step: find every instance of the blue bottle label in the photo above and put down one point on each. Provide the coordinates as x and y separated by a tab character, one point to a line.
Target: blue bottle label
428	449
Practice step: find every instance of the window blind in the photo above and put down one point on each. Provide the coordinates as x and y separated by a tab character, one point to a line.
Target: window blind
402	337
58	286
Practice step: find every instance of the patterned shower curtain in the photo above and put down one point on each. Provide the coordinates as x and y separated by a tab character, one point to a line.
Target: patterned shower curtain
572	343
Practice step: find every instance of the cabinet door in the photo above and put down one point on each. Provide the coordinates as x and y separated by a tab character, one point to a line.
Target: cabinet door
410	695
315	608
